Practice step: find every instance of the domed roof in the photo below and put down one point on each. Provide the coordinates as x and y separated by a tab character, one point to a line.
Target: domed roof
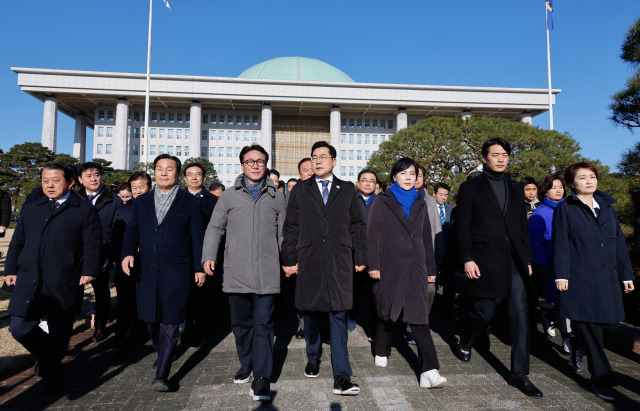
296	68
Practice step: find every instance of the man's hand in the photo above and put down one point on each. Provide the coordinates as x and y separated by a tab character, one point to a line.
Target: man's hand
85	279
628	287
3	228
10	280
562	285
360	268
471	270
290	270
200	278
431	278
375	274
530	270
127	264
209	266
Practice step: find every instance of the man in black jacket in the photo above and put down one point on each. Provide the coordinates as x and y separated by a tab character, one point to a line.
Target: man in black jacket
493	240
92	189
54	252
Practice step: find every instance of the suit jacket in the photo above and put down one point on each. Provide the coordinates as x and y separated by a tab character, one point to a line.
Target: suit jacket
207	203
490	236
326	241
169	255
49	252
107	204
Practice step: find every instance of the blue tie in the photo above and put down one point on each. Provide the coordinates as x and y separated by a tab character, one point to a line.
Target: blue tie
441	213
90	197
325	191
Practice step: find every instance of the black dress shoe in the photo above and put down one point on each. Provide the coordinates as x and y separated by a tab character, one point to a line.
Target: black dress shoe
300	334
522	383
260	389
160	385
604	392
243	375
464	353
312	369
342	385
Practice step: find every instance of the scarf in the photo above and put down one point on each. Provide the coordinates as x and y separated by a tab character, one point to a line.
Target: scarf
163	201
368	200
253	189
406	198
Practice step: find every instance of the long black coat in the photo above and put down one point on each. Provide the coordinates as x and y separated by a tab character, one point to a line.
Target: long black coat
592	255
489	236
5	209
326	242
169	255
107	205
402	249
49	252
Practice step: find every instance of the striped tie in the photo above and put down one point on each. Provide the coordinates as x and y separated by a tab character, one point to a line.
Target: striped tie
441	213
325	191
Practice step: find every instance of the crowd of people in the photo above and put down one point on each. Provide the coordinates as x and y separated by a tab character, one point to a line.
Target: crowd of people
391	242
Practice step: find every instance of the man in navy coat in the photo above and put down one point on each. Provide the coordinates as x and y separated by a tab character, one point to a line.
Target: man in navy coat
445	265
167	226
54	252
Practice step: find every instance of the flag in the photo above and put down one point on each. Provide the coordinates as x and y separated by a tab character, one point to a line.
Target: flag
166	3
549	14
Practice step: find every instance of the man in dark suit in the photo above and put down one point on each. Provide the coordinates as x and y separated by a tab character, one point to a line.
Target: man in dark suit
445	266
107	203
324	233
54	252
168	227
195	177
494	246
5	212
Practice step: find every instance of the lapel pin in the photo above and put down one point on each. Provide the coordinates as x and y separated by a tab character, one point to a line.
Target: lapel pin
338	187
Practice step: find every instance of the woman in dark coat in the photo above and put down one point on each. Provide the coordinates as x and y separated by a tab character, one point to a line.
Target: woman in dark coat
591	261
400	258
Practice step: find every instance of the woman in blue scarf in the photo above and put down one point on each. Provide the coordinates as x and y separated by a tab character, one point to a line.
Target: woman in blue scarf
400	258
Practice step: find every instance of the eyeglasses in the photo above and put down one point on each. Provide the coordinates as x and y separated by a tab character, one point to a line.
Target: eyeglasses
320	159
363	181
251	163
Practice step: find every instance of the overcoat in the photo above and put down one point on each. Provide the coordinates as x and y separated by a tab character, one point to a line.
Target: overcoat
591	254
107	205
402	249
49	252
5	208
207	203
490	236
326	241
169	255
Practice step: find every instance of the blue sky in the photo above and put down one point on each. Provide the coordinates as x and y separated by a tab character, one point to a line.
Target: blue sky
455	42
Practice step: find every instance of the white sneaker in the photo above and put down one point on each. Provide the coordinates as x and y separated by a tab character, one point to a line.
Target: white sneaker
432	379
381	361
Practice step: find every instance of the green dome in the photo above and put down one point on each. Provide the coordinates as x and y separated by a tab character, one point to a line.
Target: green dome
296	68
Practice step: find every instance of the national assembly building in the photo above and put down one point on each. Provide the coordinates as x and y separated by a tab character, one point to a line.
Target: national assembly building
285	104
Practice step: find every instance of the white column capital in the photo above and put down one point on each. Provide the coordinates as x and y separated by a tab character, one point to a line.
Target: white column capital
195	128
526	118
80	138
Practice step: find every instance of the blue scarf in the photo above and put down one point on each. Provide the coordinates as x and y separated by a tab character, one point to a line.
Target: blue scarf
406	198
368	200
253	189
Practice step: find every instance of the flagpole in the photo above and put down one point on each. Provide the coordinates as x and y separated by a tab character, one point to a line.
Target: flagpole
147	134
549	68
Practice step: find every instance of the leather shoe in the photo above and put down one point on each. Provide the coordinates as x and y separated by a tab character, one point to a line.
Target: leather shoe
313	368
300	334
522	383
160	385
464	353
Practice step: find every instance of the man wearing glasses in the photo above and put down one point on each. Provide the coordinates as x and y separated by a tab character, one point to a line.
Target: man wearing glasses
252	214
324	239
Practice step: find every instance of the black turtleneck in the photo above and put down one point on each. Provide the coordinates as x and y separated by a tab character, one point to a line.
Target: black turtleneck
498	185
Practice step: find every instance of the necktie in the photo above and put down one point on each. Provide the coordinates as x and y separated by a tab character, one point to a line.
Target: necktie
53	205
441	213
325	191
90	197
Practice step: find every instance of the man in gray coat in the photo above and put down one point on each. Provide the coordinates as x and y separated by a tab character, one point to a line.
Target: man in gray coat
252	215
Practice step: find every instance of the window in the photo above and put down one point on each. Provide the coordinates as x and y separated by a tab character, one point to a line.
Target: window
343	154
205	118
153	133
99	149
381	138
246	136
238	152
186	151
350	138
367	155
359	169
220	152
170	134
254	136
375	123
359	155
203	151
212	151
109	132
161	132
179	134
178	151
136	132
152	150
213	119
255	120
238	120
136	116
350	154
212	135
172	118
375	139
179	117
161	149
204	135
100	114
187	117
229	135
187	132
382	123
100	131
163	117
141	150
359	123
351	123
350	171
367	123
229	168
246	121
343	171
359	140
343	124
154	116
221	119
142	133
367	138
237	168
229	152
220	168
230	119
134	149
343	138
238	135
110	115
390	124
108	149
170	150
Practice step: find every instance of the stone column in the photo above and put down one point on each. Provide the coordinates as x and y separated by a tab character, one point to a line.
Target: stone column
526	118
50	123
401	119
267	117
120	141
466	114
80	138
334	129
195	128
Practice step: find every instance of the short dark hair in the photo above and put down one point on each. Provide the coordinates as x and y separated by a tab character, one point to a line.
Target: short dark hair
367	171
194	164
302	161
319	144
140	175
281	184
292	179
170	157
123	186
387	185
492	142
438	186
421	168
253	147
547	183
68	171
570	172
216	186
403	164
276	172
89	165
529	180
